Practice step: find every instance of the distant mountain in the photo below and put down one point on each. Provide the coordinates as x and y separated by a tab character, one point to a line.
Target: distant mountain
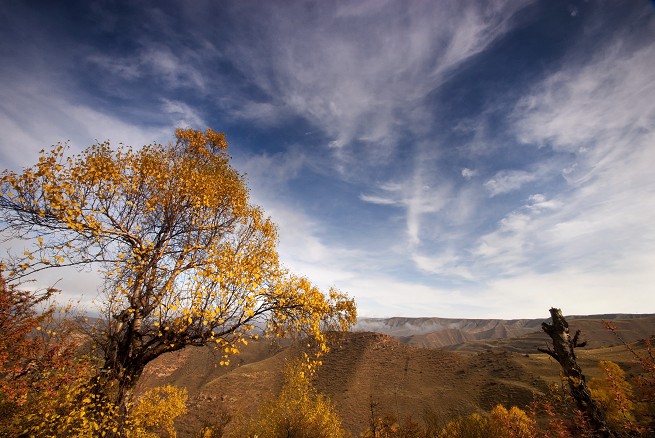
525	334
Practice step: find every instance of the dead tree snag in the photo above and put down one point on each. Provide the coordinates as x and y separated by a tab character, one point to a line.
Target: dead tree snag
563	352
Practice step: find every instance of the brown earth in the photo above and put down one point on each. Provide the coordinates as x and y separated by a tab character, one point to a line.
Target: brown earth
367	370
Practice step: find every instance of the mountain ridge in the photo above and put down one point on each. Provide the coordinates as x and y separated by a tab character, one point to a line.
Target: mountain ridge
436	332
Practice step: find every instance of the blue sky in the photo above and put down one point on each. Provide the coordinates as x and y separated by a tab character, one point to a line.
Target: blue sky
432	158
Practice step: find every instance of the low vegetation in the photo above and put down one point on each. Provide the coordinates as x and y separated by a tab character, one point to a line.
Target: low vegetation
46	379
299	410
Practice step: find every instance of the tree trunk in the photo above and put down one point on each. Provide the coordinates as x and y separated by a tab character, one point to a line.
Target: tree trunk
564	353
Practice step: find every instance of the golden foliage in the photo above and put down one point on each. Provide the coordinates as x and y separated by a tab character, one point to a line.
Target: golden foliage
156	410
472	426
74	411
71	411
385	426
298	411
43	379
513	423
501	422
614	394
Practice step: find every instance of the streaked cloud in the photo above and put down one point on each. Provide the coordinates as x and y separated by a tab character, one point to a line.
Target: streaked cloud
379	200
176	69
183	114
468	173
358	79
508	180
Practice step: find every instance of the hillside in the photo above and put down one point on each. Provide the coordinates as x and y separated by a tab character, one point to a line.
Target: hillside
366	369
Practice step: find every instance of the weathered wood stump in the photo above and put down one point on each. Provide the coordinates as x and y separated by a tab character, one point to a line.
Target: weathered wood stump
563	352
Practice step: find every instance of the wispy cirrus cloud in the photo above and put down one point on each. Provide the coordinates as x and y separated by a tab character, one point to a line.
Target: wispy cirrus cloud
448	264
416	198
592	107
508	180
361	79
379	200
174	67
183	114
468	173
600	114
34	117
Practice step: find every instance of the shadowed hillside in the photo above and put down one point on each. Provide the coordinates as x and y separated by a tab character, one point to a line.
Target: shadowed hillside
593	331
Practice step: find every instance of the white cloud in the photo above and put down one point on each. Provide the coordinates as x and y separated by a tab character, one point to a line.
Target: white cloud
124	68
592	109
177	68
582	245
360	80
261	113
388	296
506	246
468	173
446	265
267	174
575	291
507	181
379	200
33	117
586	238
184	115
540	202
420	199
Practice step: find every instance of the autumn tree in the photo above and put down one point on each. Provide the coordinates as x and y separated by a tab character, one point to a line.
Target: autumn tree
156	410
22	353
501	422
19	348
644	382
43	379
513	422
298	411
614	395
186	258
